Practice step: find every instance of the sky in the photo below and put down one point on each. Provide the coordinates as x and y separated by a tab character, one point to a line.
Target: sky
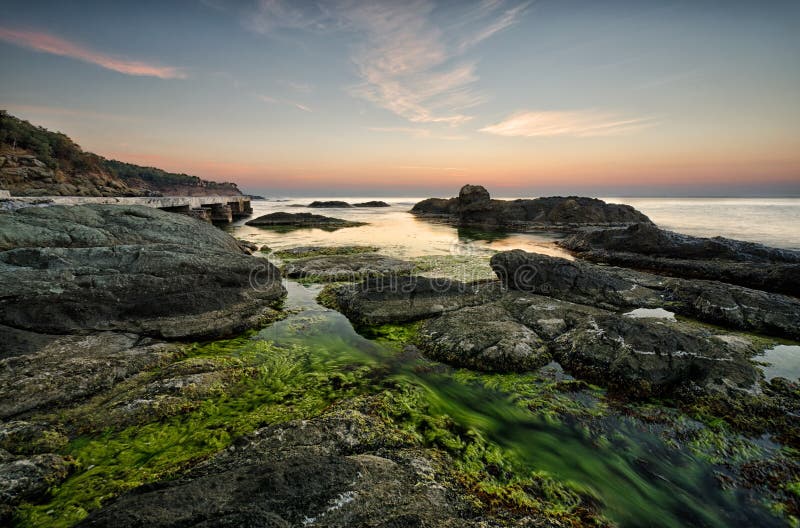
416	97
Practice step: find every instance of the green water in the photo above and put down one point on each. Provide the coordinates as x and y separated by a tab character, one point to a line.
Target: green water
638	478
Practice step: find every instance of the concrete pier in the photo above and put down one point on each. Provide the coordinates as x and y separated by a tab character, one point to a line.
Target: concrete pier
217	209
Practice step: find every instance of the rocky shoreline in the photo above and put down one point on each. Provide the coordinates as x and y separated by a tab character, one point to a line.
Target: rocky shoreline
101	308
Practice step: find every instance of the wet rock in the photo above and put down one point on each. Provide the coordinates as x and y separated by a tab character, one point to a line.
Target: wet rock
373	203
569	280
263	480
475	207
334	204
649	357
281	219
611	288
71	368
645	246
26	438
483	338
24	478
353	267
735	306
318	251
406	298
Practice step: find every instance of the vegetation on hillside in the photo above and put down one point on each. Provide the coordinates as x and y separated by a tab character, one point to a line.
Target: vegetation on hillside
58	152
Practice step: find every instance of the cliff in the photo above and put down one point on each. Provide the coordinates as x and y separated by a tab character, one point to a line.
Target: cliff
37	162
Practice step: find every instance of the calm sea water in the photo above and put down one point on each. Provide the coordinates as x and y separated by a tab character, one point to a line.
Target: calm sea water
774	221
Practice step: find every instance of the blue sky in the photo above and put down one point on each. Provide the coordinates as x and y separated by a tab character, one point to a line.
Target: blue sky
532	97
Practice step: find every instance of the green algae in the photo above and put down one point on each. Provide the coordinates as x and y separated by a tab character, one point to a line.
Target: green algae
282	383
324	251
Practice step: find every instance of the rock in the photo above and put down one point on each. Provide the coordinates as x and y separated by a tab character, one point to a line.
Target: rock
396	299
484	338
645	246
24	478
329	204
265	480
281	219
735	307
474	207
349	268
644	357
29	438
612	288
318	251
569	280
107	225
71	368
372	203
247	247
144	271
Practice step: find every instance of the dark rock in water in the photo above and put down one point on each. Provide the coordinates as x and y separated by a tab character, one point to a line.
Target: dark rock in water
611	288
329	471
474	207
569	280
329	204
522	331
373	203
320	251
735	306
353	267
645	246
406	298
281	219
484	338
642	357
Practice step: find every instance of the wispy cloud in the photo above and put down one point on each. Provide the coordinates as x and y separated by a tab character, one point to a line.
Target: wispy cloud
273	100
574	123
299	87
46	43
407	63
420	133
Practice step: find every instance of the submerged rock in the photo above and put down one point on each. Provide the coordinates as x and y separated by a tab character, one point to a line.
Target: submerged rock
645	246
474	207
352	267
319	251
281	219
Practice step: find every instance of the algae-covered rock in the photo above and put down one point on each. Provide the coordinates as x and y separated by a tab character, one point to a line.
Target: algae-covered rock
352	267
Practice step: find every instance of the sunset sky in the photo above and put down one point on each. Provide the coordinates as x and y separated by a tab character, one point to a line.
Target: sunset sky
418	97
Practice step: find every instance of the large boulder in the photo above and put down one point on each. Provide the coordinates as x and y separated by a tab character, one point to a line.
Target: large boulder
645	246
331	204
474	207
129	269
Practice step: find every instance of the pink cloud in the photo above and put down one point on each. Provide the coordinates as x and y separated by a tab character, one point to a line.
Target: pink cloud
57	46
